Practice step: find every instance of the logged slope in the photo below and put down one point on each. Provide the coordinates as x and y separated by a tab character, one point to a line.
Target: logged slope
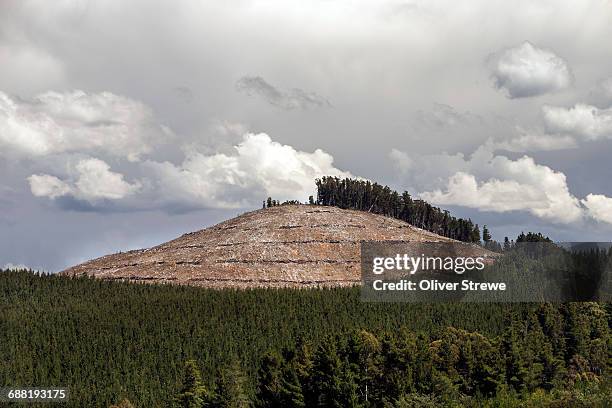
289	245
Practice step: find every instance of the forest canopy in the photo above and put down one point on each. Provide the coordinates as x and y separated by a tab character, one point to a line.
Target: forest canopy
364	195
115	343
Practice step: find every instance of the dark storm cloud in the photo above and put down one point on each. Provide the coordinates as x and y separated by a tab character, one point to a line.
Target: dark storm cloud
292	99
403	75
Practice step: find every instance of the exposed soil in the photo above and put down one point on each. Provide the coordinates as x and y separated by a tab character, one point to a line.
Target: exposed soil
285	246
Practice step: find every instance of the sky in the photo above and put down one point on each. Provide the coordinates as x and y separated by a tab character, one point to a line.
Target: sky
126	124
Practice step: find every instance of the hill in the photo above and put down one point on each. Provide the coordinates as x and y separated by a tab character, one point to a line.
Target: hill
282	246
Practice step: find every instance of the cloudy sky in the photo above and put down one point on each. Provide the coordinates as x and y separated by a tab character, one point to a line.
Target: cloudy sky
124	124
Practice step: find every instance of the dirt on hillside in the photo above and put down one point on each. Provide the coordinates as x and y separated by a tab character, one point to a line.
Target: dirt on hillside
284	246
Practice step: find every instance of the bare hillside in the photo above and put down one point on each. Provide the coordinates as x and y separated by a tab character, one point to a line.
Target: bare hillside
289	245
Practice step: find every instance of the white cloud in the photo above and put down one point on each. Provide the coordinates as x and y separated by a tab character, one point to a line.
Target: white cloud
489	182
44	185
563	128
491	195
583	121
599	207
97	181
259	167
526	70
256	168
94	181
495	183
77	121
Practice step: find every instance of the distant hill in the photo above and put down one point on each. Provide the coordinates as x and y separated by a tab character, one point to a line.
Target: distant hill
282	246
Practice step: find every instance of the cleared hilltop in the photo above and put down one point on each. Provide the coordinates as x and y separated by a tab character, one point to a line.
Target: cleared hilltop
282	246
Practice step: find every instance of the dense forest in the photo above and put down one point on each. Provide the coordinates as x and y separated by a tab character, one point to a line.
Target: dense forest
367	196
164	346
543	352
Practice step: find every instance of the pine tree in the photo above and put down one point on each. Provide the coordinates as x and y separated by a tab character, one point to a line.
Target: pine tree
507	245
475	237
366	347
486	235
192	392
510	345
327	376
268	391
231	387
291	394
553	328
